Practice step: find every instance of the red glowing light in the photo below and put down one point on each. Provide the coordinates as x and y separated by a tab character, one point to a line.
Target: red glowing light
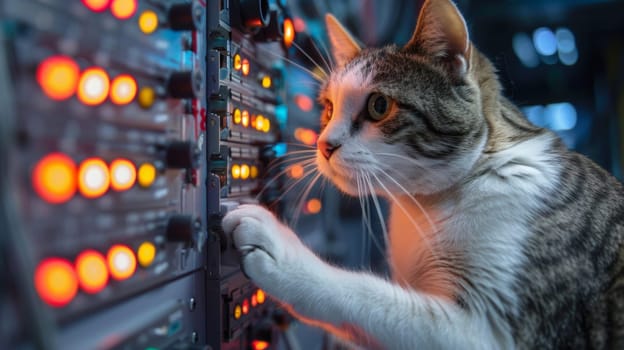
254	300
54	178
259	345
56	282
300	25
304	102
245	307
96	5
58	77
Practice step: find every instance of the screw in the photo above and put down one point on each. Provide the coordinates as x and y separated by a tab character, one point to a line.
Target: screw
192	304
194	337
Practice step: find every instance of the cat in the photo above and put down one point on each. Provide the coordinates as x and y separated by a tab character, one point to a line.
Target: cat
499	237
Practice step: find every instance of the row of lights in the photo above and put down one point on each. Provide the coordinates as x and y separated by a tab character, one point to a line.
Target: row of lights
547	46
258	122
242	65
56	177
257	298
57	280
121	9
244	171
60	78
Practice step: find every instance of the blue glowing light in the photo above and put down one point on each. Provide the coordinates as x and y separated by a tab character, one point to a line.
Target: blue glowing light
560	116
545	41
523	47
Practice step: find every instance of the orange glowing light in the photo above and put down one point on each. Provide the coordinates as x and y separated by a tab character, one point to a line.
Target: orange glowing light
56	282
236	171
58	77
237	312
123	174
121	262
289	32
254	300
300	24
93	86
244	172
296	171
245	67
259	122
259	345
93	177
260	296
245	119
92	271
96	5
313	206
245	307
54	178
146	253
237	116
147	97
306	136
123	9
253	172
304	102
238	64
123	89
148	22
267	125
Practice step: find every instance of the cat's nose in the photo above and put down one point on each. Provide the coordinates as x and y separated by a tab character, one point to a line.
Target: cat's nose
327	147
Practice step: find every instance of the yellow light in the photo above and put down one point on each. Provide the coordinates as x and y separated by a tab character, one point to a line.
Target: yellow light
123	174
260	122
245	67
266	82
238	64
146	253
296	171
238	312
254	172
146	97
260	296
245	119
123	89
289	32
148	22
92	271
93	86
56	282
58	77
121	262
93	178
123	9
54	178
266	127
237	116
313	206
146	175
236	171
244	171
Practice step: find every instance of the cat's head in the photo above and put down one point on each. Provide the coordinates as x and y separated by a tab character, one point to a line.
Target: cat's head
402	119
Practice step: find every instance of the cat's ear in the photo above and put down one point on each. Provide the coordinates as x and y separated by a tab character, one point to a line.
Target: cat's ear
441	33
343	47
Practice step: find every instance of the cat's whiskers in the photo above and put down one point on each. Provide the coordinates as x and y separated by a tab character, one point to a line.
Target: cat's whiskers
326	70
303	156
366	225
286	59
302	197
307	164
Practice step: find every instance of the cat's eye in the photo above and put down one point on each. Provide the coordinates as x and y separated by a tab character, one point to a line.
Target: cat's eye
378	106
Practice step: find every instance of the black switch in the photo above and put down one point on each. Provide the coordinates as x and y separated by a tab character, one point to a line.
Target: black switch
181	155
186	16
186	84
183	228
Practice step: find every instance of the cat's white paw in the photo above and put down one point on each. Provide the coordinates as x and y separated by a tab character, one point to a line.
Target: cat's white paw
272	255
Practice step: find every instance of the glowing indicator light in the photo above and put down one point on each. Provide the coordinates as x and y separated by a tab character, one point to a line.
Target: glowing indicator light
236	171
54	178
289	32
121	262
296	171
245	67
58	77
245	119
306	136
146	253
123	89
237	116
92	271
96	5
93	86
253	172
260	296
259	345
123	9
146	175
146	97
266	82
244	172
267	125
238	62
254	300
245	307
313	206
259	123
304	102
56	282
238	312
148	22
123	174
300	24
93	178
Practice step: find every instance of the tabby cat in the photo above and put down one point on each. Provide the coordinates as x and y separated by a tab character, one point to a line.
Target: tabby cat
499	237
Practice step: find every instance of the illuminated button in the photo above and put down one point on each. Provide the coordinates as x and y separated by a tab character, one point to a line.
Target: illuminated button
245	67
54	178
245	307
93	178
266	127
123	174
245	119
259	123
148	22
289	32
304	102
96	5
237	116
260	345
236	171
306	136
238	312
123	89
93	86
121	262
266	82
238	62
146	97
313	206
244	172
146	175
146	253
253	172
254	300
296	171
56	282
260	296
58	77
92	271
123	9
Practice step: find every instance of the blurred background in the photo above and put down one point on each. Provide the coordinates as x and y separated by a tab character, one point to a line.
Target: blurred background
561	61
